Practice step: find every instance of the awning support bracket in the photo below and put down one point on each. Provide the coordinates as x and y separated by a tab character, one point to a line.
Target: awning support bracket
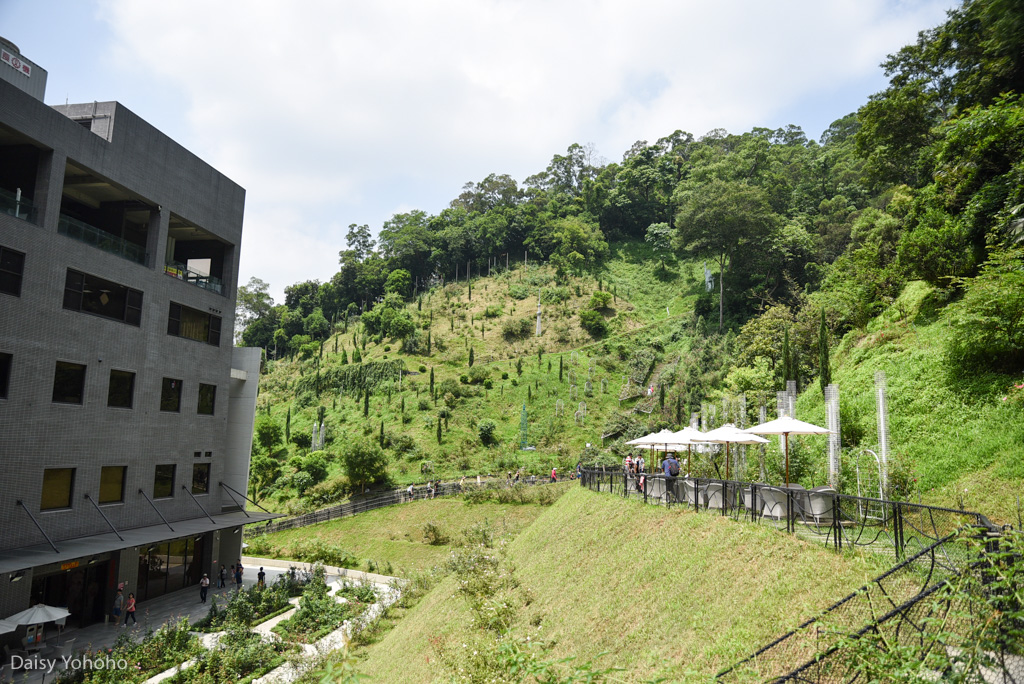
40	527
157	510
100	510
198	504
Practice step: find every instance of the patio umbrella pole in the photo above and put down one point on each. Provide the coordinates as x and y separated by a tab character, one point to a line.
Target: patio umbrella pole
785	435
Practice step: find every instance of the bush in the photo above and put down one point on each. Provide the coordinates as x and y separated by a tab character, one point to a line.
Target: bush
518	291
434	535
423	369
600	300
486	430
493	311
478	374
516	328
423	405
593	322
318	551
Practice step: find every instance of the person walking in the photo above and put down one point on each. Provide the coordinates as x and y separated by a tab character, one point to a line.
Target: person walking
222	577
238	577
204	586
554	474
118	605
261	579
129	610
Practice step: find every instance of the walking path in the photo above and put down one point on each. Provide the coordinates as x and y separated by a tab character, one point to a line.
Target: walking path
153	614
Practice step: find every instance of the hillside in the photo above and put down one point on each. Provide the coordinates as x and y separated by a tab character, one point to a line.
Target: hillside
665	593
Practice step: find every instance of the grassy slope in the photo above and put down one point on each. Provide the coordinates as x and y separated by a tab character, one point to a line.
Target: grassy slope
954	431
395	534
557	438
669	593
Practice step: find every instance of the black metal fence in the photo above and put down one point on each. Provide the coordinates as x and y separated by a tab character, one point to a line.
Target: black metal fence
899	529
388	498
906	605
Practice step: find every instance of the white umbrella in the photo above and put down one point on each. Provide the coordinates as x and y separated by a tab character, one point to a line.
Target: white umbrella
787	426
38	613
7	626
656	441
730	434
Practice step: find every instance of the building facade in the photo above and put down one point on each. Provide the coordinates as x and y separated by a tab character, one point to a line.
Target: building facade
126	414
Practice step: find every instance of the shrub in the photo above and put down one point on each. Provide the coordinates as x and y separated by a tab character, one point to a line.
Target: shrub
434	535
493	311
518	291
593	322
486	430
515	328
600	300
423	369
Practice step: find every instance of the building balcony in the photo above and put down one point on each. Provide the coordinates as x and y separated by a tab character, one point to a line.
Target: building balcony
16	205
182	272
101	239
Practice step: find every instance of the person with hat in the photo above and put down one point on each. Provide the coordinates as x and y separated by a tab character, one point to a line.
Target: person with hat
554	474
204	586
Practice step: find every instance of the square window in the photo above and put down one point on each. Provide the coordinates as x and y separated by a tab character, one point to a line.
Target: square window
12	266
209	454
57	486
121	390
68	383
170	395
201	478
5	373
163	481
197	454
112	480
207	397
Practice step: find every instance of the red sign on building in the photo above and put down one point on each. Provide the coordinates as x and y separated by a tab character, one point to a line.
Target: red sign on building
14	62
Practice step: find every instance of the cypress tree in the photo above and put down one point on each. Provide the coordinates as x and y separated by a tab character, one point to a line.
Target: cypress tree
559	369
366	404
439	429
549	366
381	434
452	319
356	356
431	381
825	378
529	393
661	396
428	343
470	290
540	355
679	410
470	357
288	425
344	357
419	303
335	344
519	366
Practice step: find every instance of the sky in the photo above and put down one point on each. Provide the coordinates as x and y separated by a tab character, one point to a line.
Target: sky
334	112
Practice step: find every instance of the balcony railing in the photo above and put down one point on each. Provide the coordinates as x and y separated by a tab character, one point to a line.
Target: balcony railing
181	272
17	206
101	239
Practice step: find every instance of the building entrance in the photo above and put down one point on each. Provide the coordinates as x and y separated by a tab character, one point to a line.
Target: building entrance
82	589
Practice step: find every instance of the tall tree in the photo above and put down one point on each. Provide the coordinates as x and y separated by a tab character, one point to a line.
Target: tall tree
719	220
825	376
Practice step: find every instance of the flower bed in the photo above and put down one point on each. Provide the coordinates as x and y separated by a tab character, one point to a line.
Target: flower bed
168	646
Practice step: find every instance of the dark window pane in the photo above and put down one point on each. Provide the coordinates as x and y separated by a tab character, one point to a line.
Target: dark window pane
73	285
57	486
170	395
215	331
197	454
112	484
68	383
163	482
207	398
121	389
209	454
133	308
201	478
5	374
12	267
174	319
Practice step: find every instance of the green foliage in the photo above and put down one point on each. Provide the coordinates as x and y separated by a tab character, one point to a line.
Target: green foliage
268	432
594	323
516	328
987	324
365	462
486	429
600	300
434	535
316	550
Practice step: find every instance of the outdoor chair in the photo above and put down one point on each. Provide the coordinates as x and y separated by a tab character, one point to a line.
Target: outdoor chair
774	503
818	506
689	491
656	487
714	495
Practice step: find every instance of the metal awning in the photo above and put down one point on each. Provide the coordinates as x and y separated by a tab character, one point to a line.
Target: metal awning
69	549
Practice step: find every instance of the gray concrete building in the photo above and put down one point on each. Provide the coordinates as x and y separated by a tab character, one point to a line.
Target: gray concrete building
126	414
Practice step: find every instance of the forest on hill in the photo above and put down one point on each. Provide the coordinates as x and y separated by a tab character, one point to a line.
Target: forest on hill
804	241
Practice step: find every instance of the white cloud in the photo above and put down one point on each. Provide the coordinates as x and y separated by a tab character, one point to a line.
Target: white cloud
333	112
